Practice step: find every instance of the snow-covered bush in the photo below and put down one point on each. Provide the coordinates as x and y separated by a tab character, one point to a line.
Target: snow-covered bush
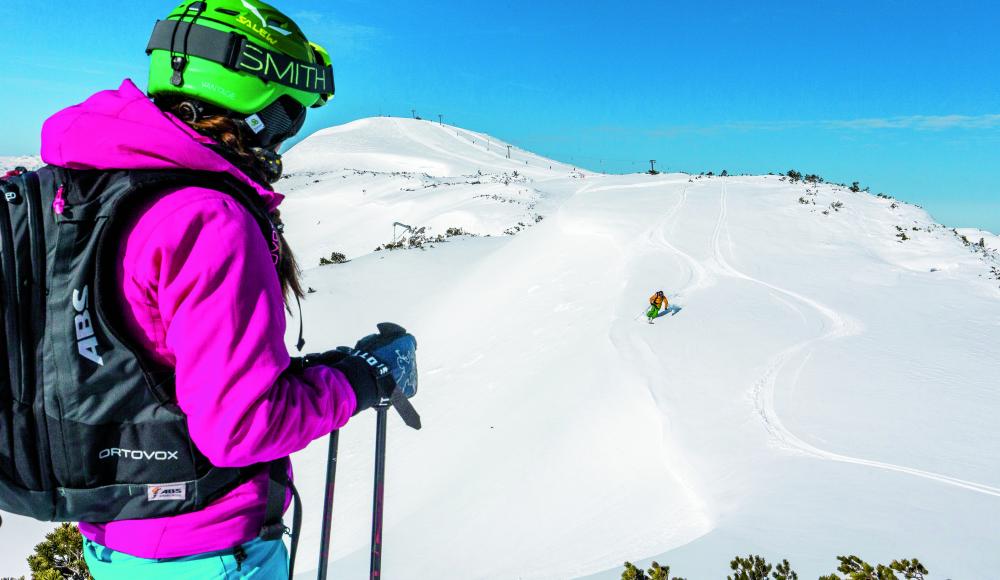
335	258
417	240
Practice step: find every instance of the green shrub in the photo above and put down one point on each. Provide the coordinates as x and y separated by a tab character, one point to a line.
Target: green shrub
655	572
857	569
754	567
749	568
60	556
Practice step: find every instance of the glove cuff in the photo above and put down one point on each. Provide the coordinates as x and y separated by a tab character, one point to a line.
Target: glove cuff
359	375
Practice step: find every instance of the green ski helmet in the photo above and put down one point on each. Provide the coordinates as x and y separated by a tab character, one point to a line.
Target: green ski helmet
243	56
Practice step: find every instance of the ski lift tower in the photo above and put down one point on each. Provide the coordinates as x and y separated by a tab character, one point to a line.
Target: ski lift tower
405	227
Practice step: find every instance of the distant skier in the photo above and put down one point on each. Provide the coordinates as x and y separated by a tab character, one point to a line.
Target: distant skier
655	302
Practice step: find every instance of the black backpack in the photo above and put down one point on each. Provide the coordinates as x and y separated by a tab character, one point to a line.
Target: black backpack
89	430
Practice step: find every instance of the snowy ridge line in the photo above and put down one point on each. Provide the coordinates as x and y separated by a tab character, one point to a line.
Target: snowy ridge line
448	153
416	138
467	137
763	390
470	139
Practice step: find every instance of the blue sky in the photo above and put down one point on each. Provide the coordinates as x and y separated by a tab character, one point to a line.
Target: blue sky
903	96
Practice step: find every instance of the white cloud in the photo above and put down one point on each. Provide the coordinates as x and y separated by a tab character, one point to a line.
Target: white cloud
911	122
921	122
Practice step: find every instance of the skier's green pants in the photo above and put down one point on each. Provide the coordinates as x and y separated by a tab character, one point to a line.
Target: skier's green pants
653	312
264	561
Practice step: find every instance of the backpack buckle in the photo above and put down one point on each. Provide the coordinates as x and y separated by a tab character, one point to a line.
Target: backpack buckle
271	532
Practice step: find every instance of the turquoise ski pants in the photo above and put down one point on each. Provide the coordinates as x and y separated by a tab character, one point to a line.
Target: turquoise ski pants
263	561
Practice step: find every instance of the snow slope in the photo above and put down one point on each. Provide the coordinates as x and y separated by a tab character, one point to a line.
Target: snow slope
822	390
27	161
825	388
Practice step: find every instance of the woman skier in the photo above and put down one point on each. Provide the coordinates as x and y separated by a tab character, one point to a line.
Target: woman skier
202	277
655	302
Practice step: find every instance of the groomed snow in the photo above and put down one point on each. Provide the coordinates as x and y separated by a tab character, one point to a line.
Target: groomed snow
826	388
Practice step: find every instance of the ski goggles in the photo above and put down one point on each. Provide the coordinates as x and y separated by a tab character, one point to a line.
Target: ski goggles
236	53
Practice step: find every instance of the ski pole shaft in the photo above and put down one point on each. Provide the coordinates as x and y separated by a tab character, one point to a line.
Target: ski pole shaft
331	475
378	503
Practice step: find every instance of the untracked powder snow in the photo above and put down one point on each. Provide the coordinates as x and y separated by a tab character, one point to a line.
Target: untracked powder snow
827	382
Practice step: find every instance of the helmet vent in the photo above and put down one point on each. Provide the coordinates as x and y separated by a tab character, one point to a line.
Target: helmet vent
227	11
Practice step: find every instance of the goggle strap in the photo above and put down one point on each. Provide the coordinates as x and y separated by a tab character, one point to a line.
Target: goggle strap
232	51
220	47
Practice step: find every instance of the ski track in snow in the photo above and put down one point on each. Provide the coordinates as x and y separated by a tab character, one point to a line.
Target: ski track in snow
660	183
763	391
697	275
631	346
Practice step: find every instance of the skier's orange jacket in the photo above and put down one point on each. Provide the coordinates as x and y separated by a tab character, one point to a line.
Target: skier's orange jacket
657	300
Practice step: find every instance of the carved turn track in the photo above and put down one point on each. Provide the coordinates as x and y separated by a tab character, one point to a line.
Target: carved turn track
763	390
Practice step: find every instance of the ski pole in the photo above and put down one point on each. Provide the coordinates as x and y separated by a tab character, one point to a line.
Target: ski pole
378	503
331	474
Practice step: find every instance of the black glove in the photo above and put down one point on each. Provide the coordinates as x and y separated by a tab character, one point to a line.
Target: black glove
381	368
359	375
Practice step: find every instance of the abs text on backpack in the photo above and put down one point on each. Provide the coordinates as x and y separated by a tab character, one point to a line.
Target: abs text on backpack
89	429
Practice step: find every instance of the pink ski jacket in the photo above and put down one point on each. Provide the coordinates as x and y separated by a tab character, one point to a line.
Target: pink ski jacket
200	292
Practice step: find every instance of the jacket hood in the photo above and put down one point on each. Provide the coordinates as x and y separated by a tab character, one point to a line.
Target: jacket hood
123	129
